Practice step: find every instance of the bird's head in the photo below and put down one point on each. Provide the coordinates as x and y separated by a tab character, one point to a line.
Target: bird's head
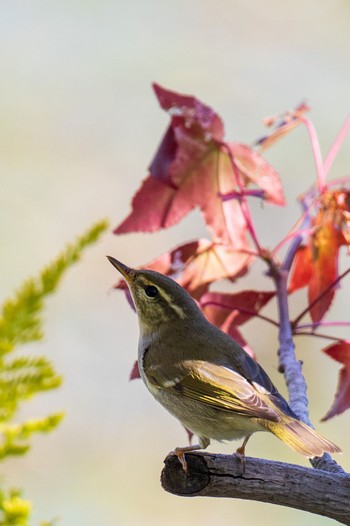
158	299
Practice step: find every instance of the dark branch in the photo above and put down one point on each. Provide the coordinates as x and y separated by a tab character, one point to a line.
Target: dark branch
289	485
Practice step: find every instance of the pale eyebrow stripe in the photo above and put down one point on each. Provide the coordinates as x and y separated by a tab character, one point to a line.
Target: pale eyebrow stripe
179	311
166	297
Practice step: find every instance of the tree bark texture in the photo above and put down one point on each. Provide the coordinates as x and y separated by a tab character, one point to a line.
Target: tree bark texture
210	475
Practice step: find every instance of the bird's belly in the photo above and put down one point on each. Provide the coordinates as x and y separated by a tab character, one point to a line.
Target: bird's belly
206	421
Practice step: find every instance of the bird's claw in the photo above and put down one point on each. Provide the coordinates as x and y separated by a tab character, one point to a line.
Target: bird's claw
240	454
180	454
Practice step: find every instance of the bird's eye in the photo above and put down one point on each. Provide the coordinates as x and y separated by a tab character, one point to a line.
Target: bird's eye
151	291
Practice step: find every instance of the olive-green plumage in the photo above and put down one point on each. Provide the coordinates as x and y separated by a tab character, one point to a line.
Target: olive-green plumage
202	376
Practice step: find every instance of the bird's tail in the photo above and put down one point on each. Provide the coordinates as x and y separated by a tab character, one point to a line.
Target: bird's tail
301	437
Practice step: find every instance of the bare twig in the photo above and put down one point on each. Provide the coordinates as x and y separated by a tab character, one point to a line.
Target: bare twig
344	130
243	200
316	150
297	237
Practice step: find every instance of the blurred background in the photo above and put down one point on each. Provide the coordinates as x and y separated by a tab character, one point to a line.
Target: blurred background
79	125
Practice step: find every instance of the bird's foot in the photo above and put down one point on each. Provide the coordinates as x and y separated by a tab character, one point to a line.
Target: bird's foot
240	454
180	453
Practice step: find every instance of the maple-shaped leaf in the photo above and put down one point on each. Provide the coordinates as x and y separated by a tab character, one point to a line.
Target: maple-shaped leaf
196	264
189	170
227	311
316	265
341	353
192	168
282	125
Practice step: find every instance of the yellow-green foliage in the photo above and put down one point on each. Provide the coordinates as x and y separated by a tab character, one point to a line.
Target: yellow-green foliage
15	510
22	377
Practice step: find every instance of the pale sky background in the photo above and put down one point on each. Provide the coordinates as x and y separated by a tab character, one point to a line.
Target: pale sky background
78	127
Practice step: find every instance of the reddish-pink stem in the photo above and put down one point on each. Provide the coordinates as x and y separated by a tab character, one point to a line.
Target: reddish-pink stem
247	192
339	181
334	149
316	150
299	229
243	201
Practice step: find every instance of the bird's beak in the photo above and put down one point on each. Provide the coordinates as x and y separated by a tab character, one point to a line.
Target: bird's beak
126	272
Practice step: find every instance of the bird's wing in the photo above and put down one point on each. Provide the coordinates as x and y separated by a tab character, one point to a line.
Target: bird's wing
219	387
255	374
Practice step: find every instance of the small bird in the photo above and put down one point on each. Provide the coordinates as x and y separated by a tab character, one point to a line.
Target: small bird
203	377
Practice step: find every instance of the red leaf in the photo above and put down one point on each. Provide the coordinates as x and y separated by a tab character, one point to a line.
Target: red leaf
135	372
316	265
185	174
192	168
196	176
254	168
341	353
289	121
197	264
325	253
156	205
302	269
187	110
241	306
